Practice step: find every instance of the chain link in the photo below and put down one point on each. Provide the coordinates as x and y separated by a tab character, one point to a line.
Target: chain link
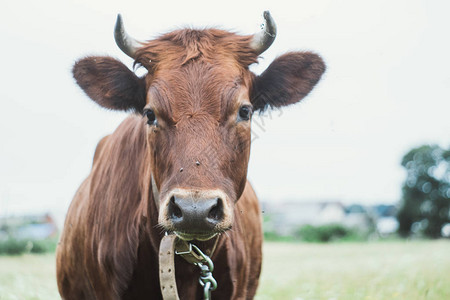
206	279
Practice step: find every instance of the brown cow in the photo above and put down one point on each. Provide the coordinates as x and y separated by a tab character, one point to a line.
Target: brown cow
177	164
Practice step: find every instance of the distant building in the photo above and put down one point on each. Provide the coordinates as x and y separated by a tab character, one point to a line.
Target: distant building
357	216
35	227
387	225
386	222
286	217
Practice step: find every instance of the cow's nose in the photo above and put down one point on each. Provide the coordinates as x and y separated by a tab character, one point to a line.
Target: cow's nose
195	215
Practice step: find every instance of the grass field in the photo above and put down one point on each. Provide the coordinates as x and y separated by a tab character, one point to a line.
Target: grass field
378	270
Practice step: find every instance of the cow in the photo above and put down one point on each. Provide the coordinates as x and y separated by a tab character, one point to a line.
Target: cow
177	164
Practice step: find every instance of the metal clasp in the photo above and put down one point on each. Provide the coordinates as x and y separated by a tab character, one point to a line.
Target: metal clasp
206	266
185	252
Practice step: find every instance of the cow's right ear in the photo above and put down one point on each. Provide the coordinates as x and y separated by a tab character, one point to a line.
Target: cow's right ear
287	80
110	83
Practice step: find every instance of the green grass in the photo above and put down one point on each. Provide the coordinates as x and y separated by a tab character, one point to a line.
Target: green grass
378	270
28	277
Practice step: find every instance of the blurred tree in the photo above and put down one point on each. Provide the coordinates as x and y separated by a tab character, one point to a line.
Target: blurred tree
425	206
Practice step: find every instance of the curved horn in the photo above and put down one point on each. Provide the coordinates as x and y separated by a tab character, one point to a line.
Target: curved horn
263	39
126	43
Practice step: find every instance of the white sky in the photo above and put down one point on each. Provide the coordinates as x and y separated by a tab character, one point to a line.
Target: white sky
386	90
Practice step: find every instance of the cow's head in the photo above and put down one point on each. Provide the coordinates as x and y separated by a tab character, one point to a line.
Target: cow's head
197	101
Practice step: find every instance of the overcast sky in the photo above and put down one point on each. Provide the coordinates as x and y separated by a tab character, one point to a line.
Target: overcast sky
386	90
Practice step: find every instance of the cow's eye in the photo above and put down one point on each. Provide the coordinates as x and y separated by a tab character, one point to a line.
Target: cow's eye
245	113
151	117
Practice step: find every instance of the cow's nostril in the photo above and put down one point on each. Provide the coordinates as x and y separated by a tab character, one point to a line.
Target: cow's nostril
174	209
216	212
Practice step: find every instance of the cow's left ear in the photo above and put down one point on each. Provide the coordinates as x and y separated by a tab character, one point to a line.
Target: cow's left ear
110	83
287	80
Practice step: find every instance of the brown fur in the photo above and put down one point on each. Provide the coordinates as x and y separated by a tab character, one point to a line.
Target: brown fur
196	83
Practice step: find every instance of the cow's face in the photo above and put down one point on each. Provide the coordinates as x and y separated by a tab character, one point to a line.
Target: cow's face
197	99
199	134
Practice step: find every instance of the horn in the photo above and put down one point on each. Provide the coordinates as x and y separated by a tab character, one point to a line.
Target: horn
263	39
126	43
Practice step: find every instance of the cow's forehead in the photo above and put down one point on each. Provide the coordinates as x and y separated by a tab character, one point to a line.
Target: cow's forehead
196	71
196	88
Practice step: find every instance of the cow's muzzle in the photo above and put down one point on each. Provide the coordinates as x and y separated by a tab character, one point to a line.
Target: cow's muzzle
196	215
